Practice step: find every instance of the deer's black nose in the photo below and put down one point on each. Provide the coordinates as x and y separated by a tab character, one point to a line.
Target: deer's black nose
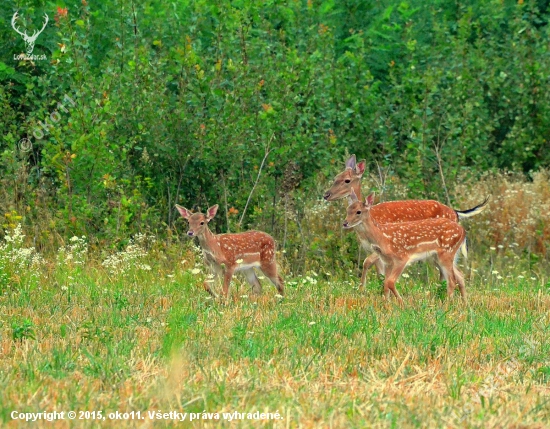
327	195
190	233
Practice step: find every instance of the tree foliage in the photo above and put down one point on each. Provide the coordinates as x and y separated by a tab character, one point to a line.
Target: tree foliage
180	102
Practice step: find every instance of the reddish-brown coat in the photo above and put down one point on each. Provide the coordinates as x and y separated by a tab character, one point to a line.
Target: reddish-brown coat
398	244
388	212
228	253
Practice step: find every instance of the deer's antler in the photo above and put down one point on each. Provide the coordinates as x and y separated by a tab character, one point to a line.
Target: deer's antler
44	26
15	16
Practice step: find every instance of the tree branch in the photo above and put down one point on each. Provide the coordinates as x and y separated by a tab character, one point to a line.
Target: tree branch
267	150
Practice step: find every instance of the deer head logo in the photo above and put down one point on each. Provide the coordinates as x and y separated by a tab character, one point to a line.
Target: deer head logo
29	40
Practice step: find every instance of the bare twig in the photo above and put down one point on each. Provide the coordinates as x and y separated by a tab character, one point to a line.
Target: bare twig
225	200
438	147
178	189
381	183
286	223
267	150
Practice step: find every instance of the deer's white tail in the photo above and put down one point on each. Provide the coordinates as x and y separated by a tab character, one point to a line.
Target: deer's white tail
464	249
463	214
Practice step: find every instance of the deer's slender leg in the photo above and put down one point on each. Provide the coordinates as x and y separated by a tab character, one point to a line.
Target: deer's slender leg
211	279
389	268
461	285
208	288
253	280
392	274
270	270
437	263
380	267
228	274
374	258
446	264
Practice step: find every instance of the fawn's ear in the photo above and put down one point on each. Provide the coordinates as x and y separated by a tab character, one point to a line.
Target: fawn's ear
360	167
184	212
211	212
350	163
352	196
369	201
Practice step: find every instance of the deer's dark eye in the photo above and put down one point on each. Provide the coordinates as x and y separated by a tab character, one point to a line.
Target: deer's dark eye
359	212
347	180
202	223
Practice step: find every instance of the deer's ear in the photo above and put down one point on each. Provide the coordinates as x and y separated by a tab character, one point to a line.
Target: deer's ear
352	196
211	212
369	201
360	167
350	163
184	212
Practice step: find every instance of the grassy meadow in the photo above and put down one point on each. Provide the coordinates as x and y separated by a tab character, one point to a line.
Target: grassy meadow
134	331
129	108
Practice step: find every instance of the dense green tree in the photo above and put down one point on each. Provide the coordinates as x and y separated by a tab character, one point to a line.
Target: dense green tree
192	101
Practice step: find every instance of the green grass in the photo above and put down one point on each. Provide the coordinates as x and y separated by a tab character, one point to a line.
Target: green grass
78	338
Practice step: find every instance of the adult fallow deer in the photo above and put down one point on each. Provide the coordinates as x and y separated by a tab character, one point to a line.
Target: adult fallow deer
392	211
226	254
399	244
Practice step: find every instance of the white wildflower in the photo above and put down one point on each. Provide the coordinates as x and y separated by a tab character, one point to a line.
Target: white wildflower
75	252
13	253
131	257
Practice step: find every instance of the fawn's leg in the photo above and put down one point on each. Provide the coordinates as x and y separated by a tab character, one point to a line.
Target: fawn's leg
380	267
253	280
446	263
373	258
461	285
392	274
441	275
270	270
211	280
208	288
228	274
389	267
